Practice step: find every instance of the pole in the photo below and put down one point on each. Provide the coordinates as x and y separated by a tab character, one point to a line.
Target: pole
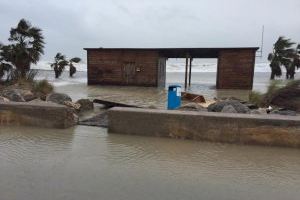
186	71
190	72
262	41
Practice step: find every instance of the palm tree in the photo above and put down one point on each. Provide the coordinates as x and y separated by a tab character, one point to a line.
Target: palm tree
59	64
27	44
72	67
295	64
4	67
281	56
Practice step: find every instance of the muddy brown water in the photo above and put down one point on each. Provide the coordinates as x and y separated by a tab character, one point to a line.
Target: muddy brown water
87	163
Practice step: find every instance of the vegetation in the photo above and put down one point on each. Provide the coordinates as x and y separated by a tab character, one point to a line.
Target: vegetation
256	98
284	55
60	62
287	96
25	48
72	67
42	88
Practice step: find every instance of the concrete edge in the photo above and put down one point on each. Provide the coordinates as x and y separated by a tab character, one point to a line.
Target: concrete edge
209	114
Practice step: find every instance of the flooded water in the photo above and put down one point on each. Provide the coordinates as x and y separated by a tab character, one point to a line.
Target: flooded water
202	83
87	163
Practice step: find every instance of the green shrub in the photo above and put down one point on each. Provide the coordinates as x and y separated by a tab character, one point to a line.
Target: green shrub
42	87
276	94
271	91
256	98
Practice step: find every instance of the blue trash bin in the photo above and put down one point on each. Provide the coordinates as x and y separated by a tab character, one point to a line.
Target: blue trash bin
174	97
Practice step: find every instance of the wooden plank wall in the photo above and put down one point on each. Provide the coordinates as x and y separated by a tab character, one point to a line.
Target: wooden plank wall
236	69
107	67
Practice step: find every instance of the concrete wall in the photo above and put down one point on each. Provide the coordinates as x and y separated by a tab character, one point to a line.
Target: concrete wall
216	127
236	69
116	67
46	115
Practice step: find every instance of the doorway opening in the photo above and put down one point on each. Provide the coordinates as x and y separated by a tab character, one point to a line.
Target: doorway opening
201	80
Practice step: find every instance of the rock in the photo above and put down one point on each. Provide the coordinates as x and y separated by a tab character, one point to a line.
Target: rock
192	107
40	101
284	112
74	106
27	95
251	106
218	106
3	99
59	98
85	105
259	111
13	95
228	109
256	112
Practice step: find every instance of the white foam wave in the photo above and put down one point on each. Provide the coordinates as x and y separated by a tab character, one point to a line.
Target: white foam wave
177	66
45	65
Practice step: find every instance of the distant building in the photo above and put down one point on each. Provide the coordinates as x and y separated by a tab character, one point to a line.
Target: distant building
147	67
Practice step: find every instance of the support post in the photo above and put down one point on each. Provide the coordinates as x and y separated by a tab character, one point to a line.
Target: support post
190	72
186	71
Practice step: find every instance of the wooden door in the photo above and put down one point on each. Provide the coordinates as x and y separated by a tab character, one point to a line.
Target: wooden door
129	73
161	72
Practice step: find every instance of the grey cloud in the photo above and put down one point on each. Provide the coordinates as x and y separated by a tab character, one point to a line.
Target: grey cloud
69	26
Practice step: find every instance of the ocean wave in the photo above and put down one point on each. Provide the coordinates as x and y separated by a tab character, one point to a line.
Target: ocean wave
178	66
45	65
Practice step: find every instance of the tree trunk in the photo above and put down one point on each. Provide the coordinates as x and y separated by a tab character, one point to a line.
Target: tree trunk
292	76
272	76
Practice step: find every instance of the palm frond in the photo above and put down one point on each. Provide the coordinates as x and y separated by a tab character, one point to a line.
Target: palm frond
270	57
75	60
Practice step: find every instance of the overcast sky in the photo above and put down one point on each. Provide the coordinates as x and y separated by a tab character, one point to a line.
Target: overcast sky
71	25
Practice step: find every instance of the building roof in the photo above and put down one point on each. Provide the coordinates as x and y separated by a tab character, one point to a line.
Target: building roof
180	52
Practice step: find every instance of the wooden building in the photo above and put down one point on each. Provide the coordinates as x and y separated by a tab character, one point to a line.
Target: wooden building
147	67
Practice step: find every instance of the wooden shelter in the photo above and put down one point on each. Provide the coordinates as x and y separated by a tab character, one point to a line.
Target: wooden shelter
147	66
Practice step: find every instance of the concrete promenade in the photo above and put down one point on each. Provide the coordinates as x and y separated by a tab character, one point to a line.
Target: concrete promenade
47	115
273	130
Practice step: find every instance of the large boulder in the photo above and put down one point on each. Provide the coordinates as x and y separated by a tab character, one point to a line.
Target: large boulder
192	107
26	94
251	106
74	106
59	98
85	105
228	109
238	106
13	95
